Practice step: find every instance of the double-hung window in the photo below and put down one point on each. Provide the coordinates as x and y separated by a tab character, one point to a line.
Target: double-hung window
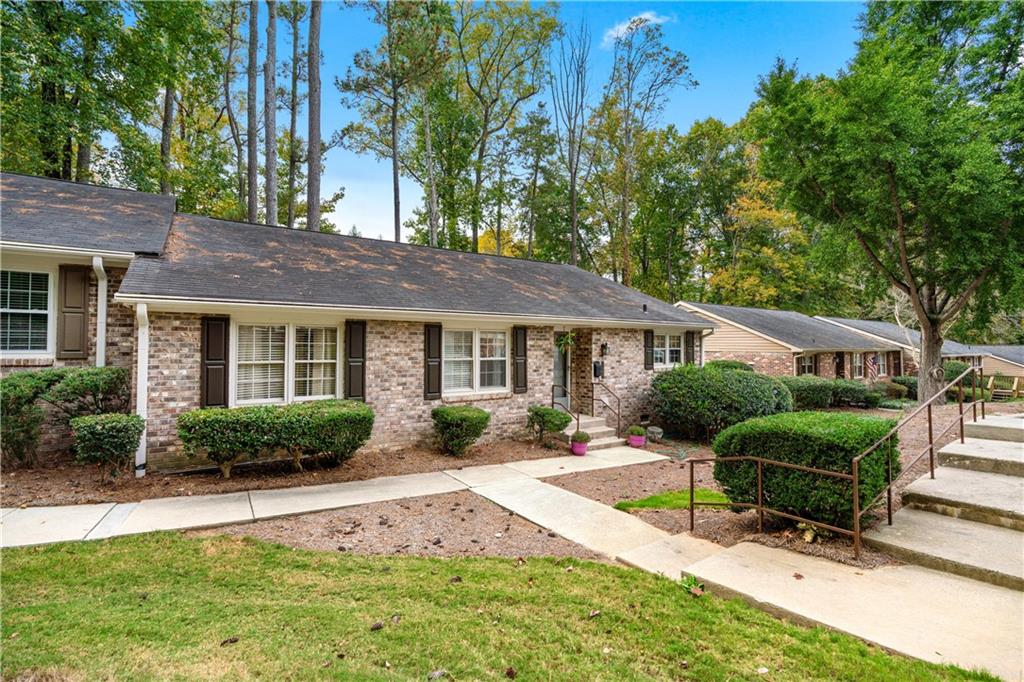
858	365
261	363
474	360
668	349
883	367
805	364
316	362
25	310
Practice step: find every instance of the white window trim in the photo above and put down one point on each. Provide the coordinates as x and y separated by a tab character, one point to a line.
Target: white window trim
883	364
799	360
51	315
289	363
858	370
666	347
476	390
337	363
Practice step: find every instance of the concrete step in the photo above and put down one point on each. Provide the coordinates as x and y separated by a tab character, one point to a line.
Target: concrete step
973	495
996	427
980	454
604	443
594	431
973	550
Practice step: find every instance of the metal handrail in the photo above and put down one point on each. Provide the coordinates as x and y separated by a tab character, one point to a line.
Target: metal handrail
618	404
854	476
555	405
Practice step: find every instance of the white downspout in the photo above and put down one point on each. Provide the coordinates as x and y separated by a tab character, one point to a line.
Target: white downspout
142	383
101	310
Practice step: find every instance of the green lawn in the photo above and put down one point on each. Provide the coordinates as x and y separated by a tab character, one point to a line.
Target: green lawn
159	606
676	499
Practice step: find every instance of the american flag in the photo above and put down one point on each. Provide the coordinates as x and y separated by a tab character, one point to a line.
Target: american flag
872	367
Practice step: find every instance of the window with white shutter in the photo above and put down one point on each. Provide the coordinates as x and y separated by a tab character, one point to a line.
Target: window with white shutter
261	363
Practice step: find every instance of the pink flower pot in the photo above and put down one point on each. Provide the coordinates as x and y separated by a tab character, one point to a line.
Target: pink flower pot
579	449
637	441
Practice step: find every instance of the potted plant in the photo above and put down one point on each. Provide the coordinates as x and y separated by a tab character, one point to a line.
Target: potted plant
578	442
637	436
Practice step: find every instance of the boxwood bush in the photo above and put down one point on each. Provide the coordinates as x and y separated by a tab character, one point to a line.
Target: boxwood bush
459	426
107	440
823	440
543	420
729	364
847	392
331	430
21	415
889	389
809	392
698	402
91	390
910	383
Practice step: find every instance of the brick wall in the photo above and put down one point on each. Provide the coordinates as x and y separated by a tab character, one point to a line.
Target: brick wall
827	365
56	433
174	357
774	364
624	374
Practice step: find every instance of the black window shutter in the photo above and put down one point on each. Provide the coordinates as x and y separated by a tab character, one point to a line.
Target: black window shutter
519	360
213	375
817	368
648	349
432	361
73	312
355	360
690	351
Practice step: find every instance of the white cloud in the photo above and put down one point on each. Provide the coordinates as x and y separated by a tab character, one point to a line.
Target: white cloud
622	28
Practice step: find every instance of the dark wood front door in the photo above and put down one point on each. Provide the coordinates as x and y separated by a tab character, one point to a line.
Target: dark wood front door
841	365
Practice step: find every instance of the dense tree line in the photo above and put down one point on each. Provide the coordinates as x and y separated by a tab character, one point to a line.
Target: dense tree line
900	176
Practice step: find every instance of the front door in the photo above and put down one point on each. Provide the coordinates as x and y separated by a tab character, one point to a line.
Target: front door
561	377
841	365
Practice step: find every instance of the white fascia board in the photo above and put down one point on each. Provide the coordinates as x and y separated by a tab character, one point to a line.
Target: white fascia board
121	257
864	333
701	311
183	304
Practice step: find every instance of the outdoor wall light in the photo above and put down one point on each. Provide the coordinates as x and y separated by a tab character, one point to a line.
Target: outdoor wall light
604	349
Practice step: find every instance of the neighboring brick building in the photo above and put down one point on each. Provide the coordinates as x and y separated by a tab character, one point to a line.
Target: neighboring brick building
217	313
787	343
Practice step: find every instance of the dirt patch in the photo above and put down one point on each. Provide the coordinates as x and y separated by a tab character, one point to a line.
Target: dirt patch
63	482
448	525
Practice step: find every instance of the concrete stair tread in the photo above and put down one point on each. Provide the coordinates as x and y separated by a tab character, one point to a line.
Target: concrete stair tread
997	427
983	454
974	491
609	442
973	550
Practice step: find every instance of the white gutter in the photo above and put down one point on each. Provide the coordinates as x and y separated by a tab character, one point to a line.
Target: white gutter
142	384
101	310
26	247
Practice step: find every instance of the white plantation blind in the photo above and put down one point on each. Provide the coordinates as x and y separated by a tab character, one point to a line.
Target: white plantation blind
24	310
316	361
261	357
458	360
493	359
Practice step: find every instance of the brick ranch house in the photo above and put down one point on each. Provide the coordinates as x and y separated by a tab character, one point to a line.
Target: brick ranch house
216	313
787	343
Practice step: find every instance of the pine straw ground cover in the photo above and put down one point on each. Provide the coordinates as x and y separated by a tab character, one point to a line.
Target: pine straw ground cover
165	606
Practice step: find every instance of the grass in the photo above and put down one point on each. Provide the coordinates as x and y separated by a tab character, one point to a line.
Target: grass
676	499
165	606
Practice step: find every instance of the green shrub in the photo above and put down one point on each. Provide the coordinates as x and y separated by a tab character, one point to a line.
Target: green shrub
981	393
580	437
20	415
814	439
729	364
889	389
910	382
331	430
954	368
701	401
809	392
872	399
107	440
91	390
848	392
891	404
543	420
636	431
459	426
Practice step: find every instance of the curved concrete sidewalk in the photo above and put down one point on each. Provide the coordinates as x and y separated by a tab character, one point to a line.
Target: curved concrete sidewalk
43	525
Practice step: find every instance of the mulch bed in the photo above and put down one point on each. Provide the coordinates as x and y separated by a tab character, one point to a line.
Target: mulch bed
449	525
64	482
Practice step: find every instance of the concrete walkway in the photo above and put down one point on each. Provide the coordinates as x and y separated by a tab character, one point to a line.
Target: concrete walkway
43	525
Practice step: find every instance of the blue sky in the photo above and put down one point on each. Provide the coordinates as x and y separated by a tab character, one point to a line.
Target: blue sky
729	45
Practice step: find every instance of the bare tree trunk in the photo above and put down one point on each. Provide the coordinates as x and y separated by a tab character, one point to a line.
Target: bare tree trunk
478	181
394	162
313	154
431	180
83	161
236	136
270	114
532	207
930	376
293	106
252	114
166	128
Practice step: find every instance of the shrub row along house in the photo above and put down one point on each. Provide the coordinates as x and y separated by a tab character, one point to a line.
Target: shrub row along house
217	313
787	343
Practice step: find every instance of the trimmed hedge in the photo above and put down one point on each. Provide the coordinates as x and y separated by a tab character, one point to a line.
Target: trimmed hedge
542	420
823	440
331	430
459	426
889	389
20	414
701	401
848	392
107	440
908	382
729	364
91	390
809	392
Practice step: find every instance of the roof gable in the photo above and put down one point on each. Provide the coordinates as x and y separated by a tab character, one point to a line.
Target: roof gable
904	336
